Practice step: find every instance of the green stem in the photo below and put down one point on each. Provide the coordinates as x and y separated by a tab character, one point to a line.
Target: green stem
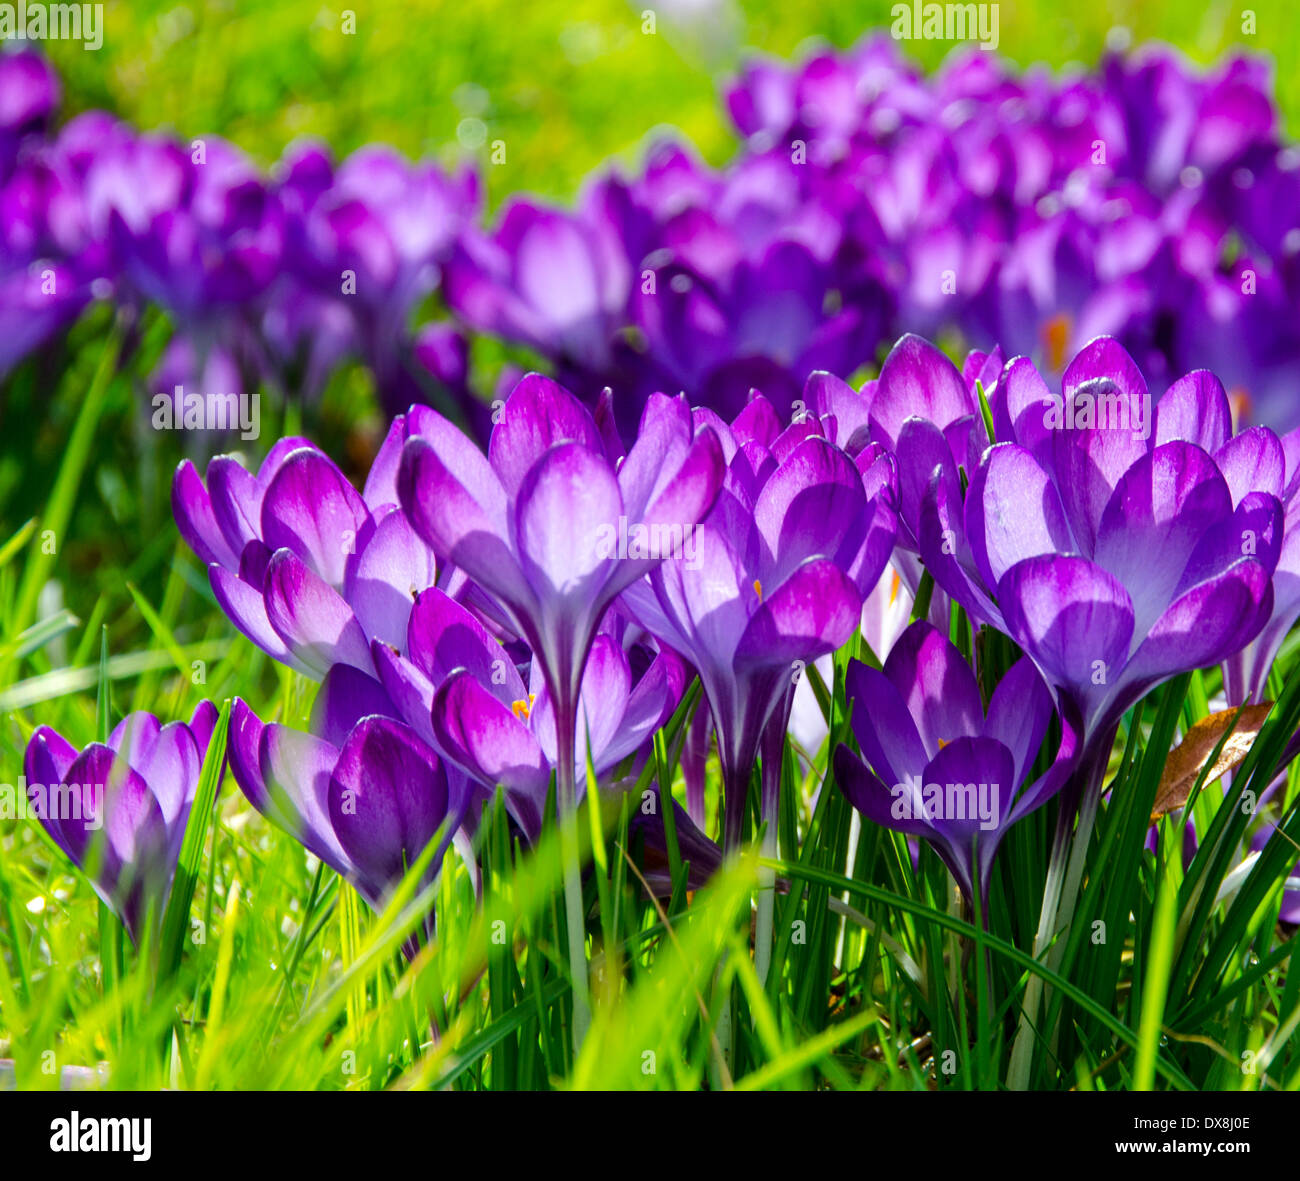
570	857
1064	876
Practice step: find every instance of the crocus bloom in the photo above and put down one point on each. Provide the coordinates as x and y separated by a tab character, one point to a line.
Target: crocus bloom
29	93
556	281
462	692
799	535
925	412
1245	674
935	765
372	235
306	567
547	525
368	808
1117	551
119	810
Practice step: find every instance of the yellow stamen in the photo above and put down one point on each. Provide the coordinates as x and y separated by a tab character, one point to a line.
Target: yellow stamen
1056	335
893	587
521	708
758	589
942	743
1240	405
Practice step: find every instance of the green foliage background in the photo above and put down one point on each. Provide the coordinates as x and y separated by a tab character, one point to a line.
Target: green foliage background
566	83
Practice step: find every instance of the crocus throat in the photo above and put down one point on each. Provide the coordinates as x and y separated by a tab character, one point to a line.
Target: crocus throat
1056	335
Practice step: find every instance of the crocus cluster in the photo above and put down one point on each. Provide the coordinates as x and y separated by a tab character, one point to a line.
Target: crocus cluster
119	809
526	620
268	278
1146	200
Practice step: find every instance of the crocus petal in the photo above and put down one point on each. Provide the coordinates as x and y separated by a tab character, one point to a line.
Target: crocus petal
492	744
917	380
606	686
133	823
244	605
202	723
345	696
392	567
1074	618
869	795
975	777
814	611
886	731
575	486
1195	409
456	503
936	684
1013	512
295	771
672	519
649	706
388	797
1022	408
243	749
1206	624
236	501
192	508
922	451
46	763
1158	513
802	509
313	620
444	637
1253	461
1019	711
410	691
538	415
312	510
662	440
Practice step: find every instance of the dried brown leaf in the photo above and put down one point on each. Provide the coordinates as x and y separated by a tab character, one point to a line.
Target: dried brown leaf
1186	759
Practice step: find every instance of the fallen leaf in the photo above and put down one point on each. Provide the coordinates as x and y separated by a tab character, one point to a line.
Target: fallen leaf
1186	759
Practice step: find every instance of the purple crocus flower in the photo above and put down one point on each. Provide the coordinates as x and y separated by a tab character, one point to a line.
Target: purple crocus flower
936	765
29	94
928	414
119	810
373	234
306	567
367	807
799	535
200	232
549	527
555	281
463	693
1117	546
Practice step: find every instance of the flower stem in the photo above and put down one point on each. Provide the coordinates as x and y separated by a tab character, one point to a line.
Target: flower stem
773	754
574	912
1064	876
